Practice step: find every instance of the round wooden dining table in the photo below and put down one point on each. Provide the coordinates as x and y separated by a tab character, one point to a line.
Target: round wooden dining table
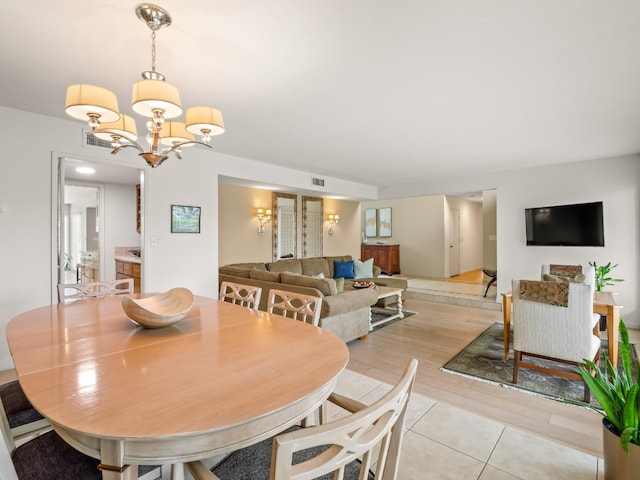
222	378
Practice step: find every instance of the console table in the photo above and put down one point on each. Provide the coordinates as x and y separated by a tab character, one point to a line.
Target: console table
387	257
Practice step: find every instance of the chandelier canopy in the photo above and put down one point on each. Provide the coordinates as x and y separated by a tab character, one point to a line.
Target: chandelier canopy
154	98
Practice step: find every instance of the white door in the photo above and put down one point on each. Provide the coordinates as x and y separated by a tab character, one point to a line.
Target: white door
454	242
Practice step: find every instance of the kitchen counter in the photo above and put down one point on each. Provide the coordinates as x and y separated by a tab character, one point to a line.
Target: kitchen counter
128	258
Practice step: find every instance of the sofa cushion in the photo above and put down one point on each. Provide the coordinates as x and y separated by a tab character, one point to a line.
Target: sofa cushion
343	269
331	260
265	276
363	269
236	271
326	285
293	265
314	266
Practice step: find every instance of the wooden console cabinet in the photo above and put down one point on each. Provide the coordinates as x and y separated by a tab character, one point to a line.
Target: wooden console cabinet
387	257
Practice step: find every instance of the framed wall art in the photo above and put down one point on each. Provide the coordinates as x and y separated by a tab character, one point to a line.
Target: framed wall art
384	222
370	225
185	219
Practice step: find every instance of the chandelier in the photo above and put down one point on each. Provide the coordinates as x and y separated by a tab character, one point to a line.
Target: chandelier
154	98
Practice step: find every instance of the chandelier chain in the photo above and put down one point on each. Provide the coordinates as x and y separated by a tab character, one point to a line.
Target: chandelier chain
153	50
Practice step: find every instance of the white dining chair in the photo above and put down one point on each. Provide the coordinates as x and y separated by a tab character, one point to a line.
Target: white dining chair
239	294
23	421
76	291
298	306
343	448
48	457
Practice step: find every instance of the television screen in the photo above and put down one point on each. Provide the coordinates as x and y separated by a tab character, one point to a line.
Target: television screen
579	225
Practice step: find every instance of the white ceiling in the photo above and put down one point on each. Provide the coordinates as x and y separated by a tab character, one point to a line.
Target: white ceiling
378	92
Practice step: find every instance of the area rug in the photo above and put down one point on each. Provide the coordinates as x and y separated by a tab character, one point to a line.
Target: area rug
483	359
378	315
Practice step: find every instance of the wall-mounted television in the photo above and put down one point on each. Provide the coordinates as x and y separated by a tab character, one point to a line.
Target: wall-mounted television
578	225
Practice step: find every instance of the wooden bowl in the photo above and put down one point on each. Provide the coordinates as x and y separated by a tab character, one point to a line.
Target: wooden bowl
159	310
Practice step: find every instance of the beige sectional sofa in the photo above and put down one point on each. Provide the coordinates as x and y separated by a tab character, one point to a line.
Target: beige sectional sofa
346	314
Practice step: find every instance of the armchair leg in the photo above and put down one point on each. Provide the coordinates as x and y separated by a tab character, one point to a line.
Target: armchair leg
517	358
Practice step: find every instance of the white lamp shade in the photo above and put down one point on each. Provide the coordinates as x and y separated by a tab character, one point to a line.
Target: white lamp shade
126	127
204	118
174	132
84	100
150	95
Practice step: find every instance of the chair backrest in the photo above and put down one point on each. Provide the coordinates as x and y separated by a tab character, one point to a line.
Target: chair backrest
23	421
75	291
295	305
556	331
239	294
587	270
355	436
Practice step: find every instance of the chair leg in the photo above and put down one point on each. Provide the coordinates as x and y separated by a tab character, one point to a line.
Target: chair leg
517	357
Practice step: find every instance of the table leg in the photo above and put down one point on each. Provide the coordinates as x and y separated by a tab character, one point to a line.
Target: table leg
613	323
506	319
112	462
399	305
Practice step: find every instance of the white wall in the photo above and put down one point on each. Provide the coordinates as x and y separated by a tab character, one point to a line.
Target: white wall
471	240
418	226
119	210
615	181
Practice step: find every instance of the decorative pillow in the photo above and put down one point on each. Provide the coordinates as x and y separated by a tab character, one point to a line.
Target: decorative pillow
320	275
340	285
363	269
331	263
293	265
343	269
265	276
235	271
326	285
314	266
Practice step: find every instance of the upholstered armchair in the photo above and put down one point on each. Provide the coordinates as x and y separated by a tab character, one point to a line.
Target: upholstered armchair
564	334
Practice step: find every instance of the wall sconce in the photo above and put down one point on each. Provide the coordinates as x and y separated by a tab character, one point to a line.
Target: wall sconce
264	217
333	219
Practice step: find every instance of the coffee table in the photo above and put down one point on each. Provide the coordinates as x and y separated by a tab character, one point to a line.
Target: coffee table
396	311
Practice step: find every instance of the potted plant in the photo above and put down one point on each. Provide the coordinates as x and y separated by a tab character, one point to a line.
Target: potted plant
602	275
618	393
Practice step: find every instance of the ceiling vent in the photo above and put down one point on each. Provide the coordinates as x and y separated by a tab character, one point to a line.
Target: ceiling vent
318	182
91	140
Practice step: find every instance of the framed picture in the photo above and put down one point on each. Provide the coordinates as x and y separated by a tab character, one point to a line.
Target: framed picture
385	222
370	225
185	219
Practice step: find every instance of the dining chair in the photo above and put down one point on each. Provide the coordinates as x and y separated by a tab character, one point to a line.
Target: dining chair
48	457
345	447
239	294
23	421
298	306
545	328
76	291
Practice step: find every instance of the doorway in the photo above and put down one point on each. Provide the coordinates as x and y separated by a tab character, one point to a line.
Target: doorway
92	215
81	233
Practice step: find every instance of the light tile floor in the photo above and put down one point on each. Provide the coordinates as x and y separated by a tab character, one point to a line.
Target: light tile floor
442	442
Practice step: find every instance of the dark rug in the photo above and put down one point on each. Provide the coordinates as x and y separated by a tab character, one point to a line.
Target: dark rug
378	315
483	359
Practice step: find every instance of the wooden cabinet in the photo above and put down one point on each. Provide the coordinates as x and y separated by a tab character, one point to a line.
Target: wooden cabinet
387	257
129	270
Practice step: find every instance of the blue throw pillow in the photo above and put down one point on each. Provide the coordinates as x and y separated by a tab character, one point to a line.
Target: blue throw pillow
343	269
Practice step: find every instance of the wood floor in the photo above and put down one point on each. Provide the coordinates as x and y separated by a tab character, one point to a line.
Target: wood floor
434	335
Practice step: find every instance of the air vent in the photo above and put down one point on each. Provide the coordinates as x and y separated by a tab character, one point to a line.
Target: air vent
318	182
91	140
